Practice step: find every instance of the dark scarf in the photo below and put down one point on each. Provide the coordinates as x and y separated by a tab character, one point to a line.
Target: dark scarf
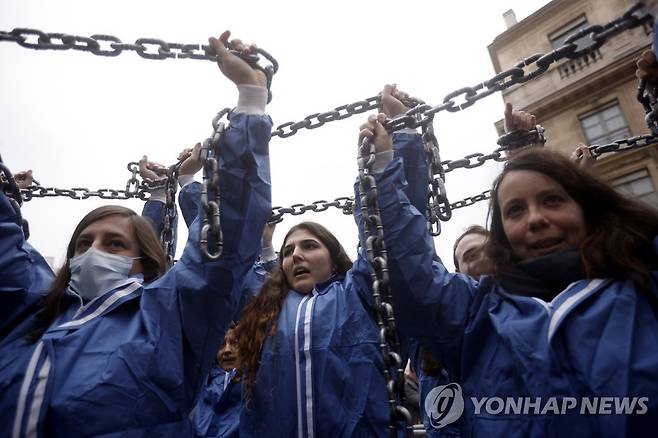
544	277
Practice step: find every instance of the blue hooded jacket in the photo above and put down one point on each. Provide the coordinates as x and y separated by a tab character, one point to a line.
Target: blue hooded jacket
520	363
131	362
217	414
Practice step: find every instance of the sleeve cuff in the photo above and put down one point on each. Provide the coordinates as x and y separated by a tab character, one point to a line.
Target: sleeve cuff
158	195
267	254
184	180
381	161
252	99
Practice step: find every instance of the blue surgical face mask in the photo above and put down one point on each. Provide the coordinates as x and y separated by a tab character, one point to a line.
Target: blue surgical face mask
95	272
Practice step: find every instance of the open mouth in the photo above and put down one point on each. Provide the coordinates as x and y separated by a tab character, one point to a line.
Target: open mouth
300	271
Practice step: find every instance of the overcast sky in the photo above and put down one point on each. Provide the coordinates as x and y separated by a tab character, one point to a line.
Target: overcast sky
77	119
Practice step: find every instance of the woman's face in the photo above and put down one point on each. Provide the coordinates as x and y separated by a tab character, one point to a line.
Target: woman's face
227	355
113	235
305	261
539	217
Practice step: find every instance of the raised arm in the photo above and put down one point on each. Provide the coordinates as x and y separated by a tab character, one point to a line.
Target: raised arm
209	291
408	146
25	277
431	304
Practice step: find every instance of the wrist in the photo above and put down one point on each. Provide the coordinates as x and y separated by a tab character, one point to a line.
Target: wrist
252	99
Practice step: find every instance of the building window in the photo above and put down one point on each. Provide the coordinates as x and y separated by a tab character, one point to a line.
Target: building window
557	38
605	125
637	185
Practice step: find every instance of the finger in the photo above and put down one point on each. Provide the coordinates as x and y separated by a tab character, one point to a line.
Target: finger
379	129
533	121
238	45
509	117
389	89
196	151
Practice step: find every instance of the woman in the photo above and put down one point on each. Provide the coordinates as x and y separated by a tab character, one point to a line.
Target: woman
112	349
217	413
309	344
568	317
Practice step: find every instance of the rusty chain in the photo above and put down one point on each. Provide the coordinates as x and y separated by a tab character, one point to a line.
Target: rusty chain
381	293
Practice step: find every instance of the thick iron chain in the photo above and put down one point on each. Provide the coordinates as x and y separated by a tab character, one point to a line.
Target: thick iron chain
147	48
648	97
438	206
589	39
211	239
9	186
169	212
381	293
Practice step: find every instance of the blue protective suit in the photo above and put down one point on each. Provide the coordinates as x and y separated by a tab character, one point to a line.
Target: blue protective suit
321	373
190	202
217	413
132	362
154	211
595	339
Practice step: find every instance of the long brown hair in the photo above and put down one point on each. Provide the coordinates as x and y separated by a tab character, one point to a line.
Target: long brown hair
620	230
153	260
258	319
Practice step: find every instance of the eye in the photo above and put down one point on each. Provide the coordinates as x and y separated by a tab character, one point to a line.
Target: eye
310	245
287	251
553	200
513	211
117	244
82	243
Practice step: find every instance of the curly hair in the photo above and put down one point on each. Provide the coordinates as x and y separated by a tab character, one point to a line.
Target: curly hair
259	317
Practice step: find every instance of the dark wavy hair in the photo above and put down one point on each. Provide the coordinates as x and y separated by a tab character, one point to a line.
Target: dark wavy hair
259	317
620	230
154	261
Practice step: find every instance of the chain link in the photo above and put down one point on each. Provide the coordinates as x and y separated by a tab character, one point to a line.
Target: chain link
147	48
9	186
381	292
211	239
588	39
169	212
438	206
519	139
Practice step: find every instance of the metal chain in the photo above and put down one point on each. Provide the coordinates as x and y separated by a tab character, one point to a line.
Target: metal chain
9	186
211	239
381	293
519	139
589	39
147	48
438	206
648	97
344	203
169	212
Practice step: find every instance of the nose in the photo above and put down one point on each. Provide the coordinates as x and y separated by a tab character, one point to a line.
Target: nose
537	218
97	244
297	253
